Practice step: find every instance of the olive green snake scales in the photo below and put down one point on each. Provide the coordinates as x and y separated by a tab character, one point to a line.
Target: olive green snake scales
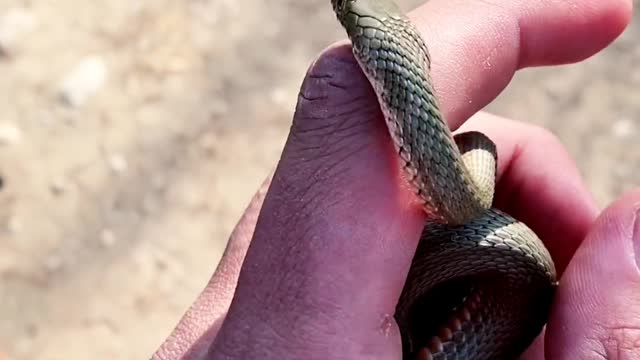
481	283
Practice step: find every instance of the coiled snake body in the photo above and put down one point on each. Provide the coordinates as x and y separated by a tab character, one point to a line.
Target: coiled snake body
481	283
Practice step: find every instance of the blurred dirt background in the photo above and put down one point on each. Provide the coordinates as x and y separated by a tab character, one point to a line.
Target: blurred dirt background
117	121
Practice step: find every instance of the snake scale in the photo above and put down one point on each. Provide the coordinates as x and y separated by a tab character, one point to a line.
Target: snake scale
481	283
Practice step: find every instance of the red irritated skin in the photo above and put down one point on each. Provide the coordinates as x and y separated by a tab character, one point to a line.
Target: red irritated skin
316	265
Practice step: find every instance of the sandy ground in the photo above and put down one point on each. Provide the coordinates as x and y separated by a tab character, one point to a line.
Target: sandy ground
117	121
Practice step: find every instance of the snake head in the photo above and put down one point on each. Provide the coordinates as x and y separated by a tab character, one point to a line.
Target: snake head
340	7
376	11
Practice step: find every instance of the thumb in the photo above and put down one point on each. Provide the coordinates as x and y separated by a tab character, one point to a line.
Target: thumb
321	277
597	310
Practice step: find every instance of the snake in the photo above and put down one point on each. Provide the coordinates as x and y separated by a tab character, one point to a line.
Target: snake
481	283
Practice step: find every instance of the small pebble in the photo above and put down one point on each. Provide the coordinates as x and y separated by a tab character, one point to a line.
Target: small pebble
57	187
118	163
14	24
10	134
208	143
280	97
623	128
107	238
83	81
14	225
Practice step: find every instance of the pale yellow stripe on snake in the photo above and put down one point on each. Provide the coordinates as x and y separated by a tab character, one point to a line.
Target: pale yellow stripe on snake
481	282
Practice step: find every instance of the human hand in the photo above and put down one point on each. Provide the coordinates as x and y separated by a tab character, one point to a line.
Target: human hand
337	230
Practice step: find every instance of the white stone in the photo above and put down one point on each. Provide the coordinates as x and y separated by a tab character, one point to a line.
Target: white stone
623	128
14	23
10	134
118	163
107	238
83	81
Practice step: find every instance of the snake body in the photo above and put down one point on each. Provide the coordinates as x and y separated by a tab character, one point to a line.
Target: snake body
481	282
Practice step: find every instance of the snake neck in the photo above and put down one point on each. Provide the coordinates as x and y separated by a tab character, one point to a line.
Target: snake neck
394	58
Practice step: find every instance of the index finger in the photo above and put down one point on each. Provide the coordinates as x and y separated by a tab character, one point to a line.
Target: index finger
473	60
